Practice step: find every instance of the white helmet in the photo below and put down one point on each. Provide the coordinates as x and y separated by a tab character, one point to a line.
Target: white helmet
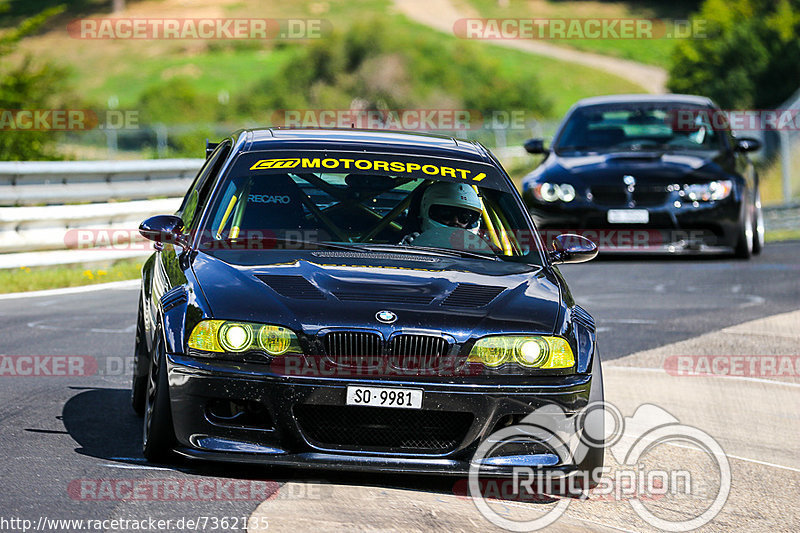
446	204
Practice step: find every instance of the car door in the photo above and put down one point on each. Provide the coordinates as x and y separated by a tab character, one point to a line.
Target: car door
168	270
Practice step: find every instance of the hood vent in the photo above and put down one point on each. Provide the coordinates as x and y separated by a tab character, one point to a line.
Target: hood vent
173	298
467	295
582	317
376	255
384	295
296	287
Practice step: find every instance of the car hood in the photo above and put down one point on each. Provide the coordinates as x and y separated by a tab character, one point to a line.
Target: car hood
655	168
311	291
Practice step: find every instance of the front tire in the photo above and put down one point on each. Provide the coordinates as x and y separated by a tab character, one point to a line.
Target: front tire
140	359
158	436
744	244
759	229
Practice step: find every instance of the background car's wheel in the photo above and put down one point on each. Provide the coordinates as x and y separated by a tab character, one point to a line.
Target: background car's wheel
759	229
140	360
158	431
744	245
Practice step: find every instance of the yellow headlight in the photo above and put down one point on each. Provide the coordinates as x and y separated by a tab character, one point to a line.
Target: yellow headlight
205	336
491	351
528	352
235	337
531	352
275	340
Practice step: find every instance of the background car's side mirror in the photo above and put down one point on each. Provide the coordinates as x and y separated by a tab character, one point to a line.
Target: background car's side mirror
747	144
535	146
570	248
164	229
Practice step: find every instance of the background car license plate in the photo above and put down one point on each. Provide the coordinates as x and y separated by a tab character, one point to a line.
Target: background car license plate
628	216
384	397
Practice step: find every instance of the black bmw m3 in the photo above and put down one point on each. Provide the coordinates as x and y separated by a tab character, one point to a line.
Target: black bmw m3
647	173
355	299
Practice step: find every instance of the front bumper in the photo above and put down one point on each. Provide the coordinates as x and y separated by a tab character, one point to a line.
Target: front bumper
284	434
711	227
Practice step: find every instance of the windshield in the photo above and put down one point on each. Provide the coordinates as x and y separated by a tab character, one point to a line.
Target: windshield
369	201
640	126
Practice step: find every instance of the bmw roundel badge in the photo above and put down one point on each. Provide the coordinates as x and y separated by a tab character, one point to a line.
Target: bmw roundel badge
387	317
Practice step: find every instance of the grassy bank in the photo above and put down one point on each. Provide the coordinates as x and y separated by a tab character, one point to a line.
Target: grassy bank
40	278
655	51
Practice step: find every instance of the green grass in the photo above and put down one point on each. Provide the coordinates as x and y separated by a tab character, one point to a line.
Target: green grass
210	72
782	235
564	83
40	278
654	51
771	179
126	69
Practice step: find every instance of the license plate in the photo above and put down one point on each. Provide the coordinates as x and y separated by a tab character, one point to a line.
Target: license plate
385	397
628	216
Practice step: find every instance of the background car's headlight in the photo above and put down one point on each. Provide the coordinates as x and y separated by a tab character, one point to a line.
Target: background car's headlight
524	351
237	337
706	192
550	192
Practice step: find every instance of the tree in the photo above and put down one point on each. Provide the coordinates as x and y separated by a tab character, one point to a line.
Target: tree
27	84
750	57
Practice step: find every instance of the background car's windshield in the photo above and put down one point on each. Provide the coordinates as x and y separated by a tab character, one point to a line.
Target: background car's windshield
308	207
644	126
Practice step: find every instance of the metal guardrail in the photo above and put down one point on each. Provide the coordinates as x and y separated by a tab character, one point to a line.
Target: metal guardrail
34	234
77	195
782	217
62	182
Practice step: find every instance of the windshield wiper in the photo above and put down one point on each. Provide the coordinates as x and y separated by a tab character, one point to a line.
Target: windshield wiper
432	249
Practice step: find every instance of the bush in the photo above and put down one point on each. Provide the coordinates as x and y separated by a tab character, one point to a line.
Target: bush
750	57
394	67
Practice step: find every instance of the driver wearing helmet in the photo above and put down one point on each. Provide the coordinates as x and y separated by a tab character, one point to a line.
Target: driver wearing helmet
445	204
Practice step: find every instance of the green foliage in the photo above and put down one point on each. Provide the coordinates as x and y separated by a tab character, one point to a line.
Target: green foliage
26	85
176	101
751	57
393	67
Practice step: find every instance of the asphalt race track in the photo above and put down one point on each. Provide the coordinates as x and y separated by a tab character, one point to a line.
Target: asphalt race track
62	436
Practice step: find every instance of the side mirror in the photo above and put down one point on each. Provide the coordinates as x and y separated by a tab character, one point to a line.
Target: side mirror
535	146
164	229
747	144
570	248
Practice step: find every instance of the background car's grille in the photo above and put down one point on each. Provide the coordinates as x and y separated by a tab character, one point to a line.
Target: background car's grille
642	196
650	196
354	348
605	195
383	428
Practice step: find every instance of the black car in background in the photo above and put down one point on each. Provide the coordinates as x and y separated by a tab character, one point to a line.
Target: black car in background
361	300
648	173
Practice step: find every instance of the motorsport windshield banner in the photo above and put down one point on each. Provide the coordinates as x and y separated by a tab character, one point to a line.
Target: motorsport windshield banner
418	167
